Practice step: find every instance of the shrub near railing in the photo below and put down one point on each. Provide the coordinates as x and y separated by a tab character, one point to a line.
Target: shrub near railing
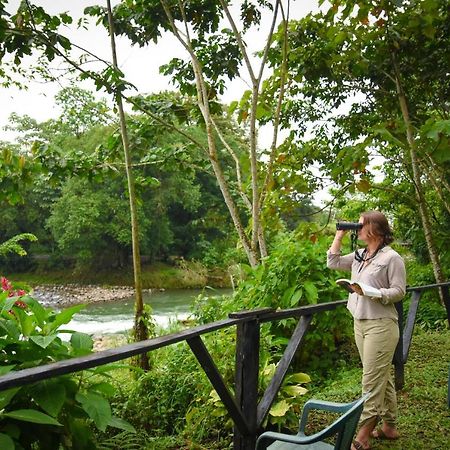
53	413
294	274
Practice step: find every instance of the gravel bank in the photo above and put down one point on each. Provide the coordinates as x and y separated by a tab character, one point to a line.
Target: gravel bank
73	294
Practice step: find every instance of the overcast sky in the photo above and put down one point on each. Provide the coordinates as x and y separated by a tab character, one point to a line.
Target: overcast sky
140	65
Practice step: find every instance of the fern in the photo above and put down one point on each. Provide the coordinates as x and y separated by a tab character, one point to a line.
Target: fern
123	441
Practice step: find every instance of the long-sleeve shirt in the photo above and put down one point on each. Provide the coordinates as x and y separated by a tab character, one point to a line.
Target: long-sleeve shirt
386	272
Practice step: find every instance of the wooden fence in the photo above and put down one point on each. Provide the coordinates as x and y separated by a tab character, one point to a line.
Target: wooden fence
244	408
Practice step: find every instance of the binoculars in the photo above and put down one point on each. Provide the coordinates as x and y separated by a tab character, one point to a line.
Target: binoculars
349	226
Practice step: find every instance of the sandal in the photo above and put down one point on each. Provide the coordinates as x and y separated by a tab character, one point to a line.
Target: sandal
380	434
358	446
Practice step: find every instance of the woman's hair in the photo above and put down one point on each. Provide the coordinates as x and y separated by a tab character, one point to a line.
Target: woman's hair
377	225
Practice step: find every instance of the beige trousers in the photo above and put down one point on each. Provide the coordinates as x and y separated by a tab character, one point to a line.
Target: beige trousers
376	340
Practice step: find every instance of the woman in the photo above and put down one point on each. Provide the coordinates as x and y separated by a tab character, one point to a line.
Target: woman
375	321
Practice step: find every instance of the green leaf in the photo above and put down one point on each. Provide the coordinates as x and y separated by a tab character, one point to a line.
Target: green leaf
296	297
6	397
38	310
50	395
104	388
6	443
295	391
43	341
299	377
82	343
116	422
31	415
6	369
232	107
8	304
311	291
280	409
26	321
11	329
96	407
64	316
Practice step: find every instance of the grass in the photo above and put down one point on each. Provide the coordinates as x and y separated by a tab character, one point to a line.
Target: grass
424	416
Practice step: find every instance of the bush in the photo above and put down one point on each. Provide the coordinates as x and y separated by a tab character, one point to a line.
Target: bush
294	274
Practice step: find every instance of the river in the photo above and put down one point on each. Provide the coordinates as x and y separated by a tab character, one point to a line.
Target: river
118	316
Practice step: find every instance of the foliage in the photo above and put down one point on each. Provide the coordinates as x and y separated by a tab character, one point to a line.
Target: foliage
295	274
13	245
55	412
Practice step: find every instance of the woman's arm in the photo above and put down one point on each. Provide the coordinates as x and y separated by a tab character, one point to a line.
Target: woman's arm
397	281
334	258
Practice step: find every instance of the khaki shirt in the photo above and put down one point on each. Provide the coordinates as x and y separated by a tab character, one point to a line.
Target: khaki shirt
385	272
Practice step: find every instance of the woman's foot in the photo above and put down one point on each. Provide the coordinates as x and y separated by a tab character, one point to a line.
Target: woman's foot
385	432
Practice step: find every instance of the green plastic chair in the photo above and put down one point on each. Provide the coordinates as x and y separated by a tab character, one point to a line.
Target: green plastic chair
343	428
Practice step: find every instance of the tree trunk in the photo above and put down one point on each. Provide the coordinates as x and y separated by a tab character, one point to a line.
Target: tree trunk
140	328
423	210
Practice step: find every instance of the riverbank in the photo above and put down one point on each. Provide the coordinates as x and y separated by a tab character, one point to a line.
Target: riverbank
62	296
189	275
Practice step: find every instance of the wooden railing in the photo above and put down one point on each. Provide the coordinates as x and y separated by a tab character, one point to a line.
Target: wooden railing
244	408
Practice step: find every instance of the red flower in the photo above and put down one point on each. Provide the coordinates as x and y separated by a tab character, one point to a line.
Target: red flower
6	285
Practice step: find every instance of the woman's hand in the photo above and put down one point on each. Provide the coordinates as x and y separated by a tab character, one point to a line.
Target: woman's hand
336	245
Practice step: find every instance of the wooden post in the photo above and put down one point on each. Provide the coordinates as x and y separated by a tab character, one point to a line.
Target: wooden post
246	379
446	298
398	355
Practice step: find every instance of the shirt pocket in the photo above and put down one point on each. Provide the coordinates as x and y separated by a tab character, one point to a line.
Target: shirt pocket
378	268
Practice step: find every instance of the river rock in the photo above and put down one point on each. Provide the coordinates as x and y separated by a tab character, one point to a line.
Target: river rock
73	294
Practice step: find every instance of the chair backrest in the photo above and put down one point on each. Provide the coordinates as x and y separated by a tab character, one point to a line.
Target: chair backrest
349	422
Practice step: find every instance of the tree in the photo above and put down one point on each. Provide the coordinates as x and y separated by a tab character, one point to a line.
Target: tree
214	55
389	61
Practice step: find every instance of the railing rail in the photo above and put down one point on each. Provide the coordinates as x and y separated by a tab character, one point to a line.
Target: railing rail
246	412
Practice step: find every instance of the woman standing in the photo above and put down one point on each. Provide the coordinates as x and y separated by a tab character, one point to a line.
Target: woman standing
375	321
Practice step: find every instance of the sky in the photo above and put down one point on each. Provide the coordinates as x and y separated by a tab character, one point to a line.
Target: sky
140	65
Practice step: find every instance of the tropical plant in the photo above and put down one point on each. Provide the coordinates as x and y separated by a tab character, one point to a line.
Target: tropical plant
58	412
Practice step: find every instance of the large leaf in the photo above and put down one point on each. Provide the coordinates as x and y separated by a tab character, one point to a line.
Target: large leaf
6	369
8	304
26	321
295	390
116	422
43	341
6	443
6	396
82	343
296	297
311	291
97	408
63	317
38	310
49	395
10	328
31	415
299	377
279	409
